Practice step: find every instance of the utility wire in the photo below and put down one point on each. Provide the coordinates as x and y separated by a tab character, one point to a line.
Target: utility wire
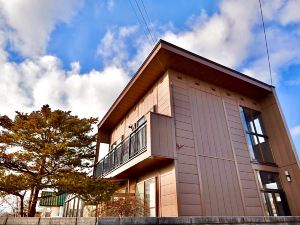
266	42
141	24
146	24
148	29
147	15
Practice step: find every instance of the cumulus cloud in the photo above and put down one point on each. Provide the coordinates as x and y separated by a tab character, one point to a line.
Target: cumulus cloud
295	131
229	36
28	24
32	83
290	12
284	51
233	36
41	79
223	37
112	47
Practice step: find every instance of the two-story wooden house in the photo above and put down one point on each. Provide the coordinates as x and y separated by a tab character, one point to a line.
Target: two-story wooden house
193	137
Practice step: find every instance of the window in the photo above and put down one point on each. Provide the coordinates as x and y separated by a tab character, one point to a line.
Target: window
275	203
146	192
257	139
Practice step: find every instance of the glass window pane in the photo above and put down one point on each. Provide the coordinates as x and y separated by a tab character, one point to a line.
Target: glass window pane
255	148
140	191
252	126
255	139
266	152
244	119
258	126
260	149
261	139
141	121
150	196
265	204
272	204
269	180
281	203
249	142
152	212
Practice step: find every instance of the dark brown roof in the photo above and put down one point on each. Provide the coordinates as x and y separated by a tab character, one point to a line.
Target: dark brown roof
168	56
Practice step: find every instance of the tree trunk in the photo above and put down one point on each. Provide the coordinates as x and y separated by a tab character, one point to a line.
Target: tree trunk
33	203
21	206
30	198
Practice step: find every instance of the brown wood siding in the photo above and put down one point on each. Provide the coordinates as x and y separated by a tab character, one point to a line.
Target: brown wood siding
158	95
211	147
283	151
247	177
207	176
161	135
167	194
188	179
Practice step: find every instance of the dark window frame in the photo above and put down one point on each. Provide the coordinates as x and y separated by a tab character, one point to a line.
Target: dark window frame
267	192
255	135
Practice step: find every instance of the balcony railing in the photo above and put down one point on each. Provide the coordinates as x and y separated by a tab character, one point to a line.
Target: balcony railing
129	148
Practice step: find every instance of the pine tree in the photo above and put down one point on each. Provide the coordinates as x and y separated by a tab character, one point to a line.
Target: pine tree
51	149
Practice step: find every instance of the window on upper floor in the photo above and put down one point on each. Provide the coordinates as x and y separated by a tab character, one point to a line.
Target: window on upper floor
257	139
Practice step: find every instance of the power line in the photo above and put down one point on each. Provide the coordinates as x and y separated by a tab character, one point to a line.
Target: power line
266	42
148	29
146	24
139	21
147	15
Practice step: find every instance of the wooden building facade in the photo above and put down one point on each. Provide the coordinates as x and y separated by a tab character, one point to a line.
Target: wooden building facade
195	138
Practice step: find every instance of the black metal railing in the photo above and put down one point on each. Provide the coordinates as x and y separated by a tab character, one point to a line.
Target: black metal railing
130	147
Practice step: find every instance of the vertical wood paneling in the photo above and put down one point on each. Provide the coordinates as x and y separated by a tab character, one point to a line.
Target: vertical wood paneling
158	95
189	190
282	149
167	199
162	139
247	179
202	133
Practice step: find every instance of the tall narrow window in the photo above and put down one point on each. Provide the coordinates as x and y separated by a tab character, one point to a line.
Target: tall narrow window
274	199
146	192
257	139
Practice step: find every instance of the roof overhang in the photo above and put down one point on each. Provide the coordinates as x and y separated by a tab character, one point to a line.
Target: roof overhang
166	56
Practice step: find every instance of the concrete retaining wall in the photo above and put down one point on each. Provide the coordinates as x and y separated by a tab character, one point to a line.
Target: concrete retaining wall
151	220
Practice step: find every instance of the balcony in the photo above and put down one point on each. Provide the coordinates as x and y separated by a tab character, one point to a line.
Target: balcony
129	148
143	147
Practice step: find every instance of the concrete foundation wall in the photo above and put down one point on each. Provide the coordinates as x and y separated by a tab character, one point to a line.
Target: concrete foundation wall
151	220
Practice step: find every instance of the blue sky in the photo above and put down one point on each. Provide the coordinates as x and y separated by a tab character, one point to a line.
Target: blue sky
79	54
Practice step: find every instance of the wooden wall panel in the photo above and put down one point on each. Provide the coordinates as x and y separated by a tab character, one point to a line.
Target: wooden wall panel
162	136
167	193
158	95
211	146
221	190
283	150
187	169
248	183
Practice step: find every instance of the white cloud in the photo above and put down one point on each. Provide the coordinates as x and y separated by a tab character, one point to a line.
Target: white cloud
28	24
41	78
295	131
229	36
30	84
112	47
223	37
233	36
290	13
